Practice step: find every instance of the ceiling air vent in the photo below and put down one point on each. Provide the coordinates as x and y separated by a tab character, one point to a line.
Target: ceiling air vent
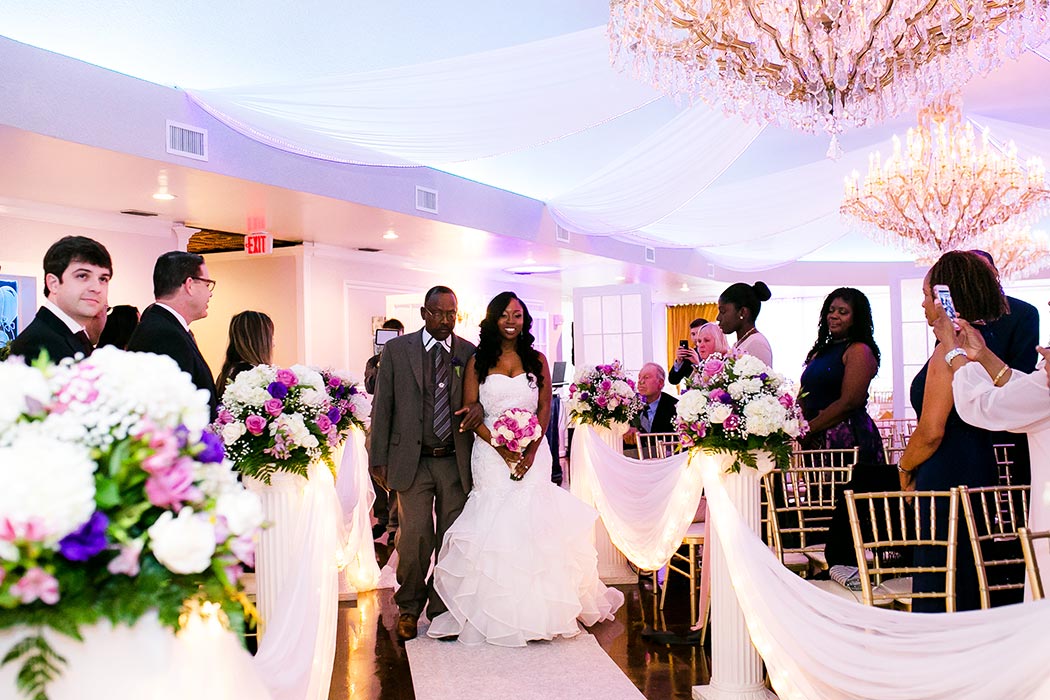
650	254
426	200
138	212
188	141
562	235
369	250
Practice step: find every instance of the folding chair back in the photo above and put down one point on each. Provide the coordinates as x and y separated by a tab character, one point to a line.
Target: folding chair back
1029	541
993	516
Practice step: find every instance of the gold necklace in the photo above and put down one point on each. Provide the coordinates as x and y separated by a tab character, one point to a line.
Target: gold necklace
744	337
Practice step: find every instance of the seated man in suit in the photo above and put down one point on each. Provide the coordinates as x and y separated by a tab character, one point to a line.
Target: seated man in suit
77	271
683	366
658	415
182	291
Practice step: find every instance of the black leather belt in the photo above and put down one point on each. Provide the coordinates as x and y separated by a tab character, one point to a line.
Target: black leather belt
439	451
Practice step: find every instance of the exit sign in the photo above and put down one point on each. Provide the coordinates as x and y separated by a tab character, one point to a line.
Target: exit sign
258	243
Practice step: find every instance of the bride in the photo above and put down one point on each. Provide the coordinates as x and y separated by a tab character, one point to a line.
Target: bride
519	563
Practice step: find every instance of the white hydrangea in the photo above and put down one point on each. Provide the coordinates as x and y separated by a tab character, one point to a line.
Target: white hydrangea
736	390
216	478
313	397
691	405
48	480
185	544
764	415
622	388
750	366
792	427
106	396
249	387
23	389
308	377
295	428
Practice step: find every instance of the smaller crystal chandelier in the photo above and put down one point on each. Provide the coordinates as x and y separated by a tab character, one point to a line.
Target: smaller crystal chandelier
943	189
1018	253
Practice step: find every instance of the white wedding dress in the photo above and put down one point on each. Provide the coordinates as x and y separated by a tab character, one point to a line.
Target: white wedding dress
519	563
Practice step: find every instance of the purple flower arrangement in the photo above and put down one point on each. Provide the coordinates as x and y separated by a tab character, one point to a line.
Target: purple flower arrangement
739	405
277	419
604	395
117	502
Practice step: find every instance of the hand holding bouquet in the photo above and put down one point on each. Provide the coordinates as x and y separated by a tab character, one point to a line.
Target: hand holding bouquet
514	430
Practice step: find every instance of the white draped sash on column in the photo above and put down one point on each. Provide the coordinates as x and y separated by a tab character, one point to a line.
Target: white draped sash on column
357	553
612	564
297	577
736	667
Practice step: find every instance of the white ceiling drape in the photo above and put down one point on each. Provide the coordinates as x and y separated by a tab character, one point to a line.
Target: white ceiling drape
657	187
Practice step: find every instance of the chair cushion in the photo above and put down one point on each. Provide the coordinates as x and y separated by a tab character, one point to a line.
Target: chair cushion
899	588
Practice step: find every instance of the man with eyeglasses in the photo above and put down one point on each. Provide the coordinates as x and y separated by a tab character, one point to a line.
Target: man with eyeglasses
420	446
182	291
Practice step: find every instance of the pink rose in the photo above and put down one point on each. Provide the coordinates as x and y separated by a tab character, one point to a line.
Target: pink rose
161	459
601	401
274	407
324	423
606	385
174	486
786	400
243	548
287	377
234	573
36	584
255	424
713	366
127	562
224	417
31	530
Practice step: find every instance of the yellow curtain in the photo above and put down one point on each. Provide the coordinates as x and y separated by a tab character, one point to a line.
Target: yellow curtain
678	319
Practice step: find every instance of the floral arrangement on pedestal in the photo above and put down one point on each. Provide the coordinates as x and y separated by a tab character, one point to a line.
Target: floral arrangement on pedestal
738	405
515	429
275	419
116	502
604	395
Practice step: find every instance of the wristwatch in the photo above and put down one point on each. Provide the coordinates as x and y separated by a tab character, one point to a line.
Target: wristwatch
952	354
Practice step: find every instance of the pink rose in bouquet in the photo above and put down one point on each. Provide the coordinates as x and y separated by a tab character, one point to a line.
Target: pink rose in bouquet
515	429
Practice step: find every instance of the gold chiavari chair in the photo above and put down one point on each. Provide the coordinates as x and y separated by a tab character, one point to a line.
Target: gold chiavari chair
896	431
1004	460
1029	541
993	516
801	502
891	520
658	445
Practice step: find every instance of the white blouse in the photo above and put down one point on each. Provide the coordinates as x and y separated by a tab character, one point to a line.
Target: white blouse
757	346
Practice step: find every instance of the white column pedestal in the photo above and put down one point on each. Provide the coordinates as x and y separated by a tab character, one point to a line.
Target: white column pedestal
275	553
736	667
612	565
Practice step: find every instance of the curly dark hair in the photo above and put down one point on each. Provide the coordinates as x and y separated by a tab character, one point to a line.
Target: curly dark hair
862	330
490	343
974	285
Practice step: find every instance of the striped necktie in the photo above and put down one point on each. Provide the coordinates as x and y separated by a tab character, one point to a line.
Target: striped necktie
442	414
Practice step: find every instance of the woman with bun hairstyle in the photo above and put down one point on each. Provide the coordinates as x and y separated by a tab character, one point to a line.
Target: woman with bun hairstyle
738	308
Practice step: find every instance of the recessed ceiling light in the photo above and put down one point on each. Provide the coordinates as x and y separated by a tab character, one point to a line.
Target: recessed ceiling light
163	196
390	235
620	278
532	269
684	287
162	193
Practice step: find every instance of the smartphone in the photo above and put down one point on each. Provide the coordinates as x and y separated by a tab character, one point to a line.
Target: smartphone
683	343
944	295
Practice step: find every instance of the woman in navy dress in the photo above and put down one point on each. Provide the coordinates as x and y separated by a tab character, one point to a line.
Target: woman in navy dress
944	451
839	369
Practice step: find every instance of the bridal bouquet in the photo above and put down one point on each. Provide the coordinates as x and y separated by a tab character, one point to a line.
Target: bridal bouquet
739	405
604	395
115	501
275	419
515	429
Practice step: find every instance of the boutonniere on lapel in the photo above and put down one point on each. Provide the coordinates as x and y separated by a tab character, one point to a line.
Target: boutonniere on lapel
457	367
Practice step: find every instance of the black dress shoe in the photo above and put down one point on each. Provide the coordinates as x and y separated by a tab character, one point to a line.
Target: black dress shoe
406	626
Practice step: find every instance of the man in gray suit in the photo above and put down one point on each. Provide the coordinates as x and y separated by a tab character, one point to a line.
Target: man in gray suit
421	445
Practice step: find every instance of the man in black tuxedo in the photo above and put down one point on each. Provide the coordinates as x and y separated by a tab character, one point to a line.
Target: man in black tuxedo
659	413
683	364
77	271
182	291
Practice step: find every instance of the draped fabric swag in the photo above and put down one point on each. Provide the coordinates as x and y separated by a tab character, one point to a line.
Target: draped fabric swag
816	646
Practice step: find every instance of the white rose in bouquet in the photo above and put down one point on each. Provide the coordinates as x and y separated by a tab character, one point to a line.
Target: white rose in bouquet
242	509
23	389
719	412
184	545
313	397
232	432
308	377
46	481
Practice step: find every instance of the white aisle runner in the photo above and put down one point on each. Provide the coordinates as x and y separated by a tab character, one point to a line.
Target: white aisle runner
574	668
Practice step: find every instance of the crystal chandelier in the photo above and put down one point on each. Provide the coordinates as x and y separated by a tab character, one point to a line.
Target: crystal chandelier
943	188
818	64
1018	252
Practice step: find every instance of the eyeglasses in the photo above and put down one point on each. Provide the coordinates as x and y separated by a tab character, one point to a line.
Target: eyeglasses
441	315
205	280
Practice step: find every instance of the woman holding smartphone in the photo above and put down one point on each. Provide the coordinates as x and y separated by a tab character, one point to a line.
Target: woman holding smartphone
944	451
